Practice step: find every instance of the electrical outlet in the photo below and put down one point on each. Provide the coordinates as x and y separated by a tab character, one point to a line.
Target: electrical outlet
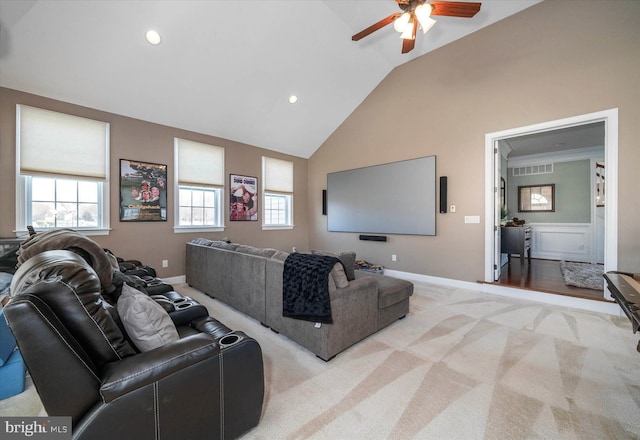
165	263
452	208
394	258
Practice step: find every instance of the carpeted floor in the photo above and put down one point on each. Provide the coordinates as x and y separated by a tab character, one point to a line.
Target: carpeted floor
461	365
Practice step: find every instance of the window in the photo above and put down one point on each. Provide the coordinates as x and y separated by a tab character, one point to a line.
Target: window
63	171
278	193
61	203
200	185
536	198
199	206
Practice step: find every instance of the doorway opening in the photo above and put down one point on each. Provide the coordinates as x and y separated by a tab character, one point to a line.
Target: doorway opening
495	268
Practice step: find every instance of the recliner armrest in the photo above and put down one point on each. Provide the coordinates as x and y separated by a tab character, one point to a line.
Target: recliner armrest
137	371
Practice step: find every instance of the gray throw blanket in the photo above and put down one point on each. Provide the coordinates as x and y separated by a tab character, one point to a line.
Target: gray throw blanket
305	287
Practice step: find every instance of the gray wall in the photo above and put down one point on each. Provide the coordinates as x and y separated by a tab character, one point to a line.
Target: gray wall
572	193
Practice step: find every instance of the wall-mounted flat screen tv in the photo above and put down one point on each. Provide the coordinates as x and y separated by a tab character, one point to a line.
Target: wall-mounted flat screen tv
393	198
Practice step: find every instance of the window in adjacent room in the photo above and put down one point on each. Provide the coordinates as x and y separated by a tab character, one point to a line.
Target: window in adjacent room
199	186
63	172
277	178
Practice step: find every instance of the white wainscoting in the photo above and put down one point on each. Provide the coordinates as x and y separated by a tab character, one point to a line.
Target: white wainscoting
563	241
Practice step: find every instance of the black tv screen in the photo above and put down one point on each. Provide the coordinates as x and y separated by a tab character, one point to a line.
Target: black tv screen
393	198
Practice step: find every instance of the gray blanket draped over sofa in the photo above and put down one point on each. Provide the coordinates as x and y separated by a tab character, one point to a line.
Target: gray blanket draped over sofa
305	287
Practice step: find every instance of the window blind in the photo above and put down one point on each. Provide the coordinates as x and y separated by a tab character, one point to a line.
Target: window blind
199	164
57	144
278	175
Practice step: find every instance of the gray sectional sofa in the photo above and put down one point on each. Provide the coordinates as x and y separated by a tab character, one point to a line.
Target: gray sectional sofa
251	280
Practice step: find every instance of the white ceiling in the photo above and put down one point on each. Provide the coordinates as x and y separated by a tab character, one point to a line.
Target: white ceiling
224	68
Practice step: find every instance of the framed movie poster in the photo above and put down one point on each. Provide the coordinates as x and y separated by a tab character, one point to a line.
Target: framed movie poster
143	191
243	198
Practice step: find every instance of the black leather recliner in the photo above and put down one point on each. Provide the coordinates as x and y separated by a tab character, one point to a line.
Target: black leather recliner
209	384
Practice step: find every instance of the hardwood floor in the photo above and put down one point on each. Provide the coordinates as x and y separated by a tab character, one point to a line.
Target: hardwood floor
543	276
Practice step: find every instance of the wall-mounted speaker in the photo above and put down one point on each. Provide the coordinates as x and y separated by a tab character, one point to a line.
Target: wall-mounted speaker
324	202
443	194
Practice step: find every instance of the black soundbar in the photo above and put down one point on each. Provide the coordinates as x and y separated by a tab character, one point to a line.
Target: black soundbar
373	237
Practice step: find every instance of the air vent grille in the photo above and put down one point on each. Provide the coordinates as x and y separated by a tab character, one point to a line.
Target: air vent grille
529	170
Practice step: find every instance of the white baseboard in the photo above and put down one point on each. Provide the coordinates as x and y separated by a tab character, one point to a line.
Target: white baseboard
529	295
181	279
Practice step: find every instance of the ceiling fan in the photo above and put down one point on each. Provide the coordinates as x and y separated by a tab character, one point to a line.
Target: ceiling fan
418	13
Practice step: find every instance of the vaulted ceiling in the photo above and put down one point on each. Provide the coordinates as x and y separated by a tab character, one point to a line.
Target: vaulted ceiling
224	68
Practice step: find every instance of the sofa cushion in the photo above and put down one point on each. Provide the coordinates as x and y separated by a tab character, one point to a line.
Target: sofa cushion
201	241
348	260
147	323
338	276
258	252
221	244
392	290
280	255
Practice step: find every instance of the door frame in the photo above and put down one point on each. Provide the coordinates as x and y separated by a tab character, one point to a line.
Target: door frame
492	194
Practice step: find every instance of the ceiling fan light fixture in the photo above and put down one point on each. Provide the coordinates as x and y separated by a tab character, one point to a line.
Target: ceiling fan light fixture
426	24
401	23
423	13
408	33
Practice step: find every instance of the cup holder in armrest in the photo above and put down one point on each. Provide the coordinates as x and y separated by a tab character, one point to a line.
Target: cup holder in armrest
228	340
186	311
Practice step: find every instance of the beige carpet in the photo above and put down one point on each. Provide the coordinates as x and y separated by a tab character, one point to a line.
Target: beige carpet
461	365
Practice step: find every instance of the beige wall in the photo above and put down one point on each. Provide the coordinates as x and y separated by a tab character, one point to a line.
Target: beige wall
152	242
558	59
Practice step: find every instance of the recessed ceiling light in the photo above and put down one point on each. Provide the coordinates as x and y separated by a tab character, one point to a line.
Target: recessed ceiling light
153	37
293	99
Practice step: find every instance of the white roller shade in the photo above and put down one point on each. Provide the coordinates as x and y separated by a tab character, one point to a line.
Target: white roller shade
278	175
57	144
199	164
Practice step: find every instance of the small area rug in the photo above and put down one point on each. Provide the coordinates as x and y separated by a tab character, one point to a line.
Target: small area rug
585	275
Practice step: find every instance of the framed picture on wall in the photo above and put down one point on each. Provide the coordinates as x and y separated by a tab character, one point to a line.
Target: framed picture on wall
143	191
243	198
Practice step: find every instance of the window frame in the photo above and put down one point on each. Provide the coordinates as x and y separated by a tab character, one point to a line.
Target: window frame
23	216
288	211
277	191
177	186
219	200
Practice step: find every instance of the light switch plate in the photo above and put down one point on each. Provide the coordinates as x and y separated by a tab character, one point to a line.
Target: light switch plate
472	219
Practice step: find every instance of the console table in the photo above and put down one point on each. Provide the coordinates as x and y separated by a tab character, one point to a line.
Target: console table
625	289
516	240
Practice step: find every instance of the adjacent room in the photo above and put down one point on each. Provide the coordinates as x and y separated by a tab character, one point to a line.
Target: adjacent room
358	219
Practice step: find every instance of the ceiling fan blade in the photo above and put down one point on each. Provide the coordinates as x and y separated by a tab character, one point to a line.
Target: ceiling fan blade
455	9
408	45
374	27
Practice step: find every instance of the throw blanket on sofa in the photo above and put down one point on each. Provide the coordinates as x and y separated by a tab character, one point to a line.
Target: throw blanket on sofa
305	287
